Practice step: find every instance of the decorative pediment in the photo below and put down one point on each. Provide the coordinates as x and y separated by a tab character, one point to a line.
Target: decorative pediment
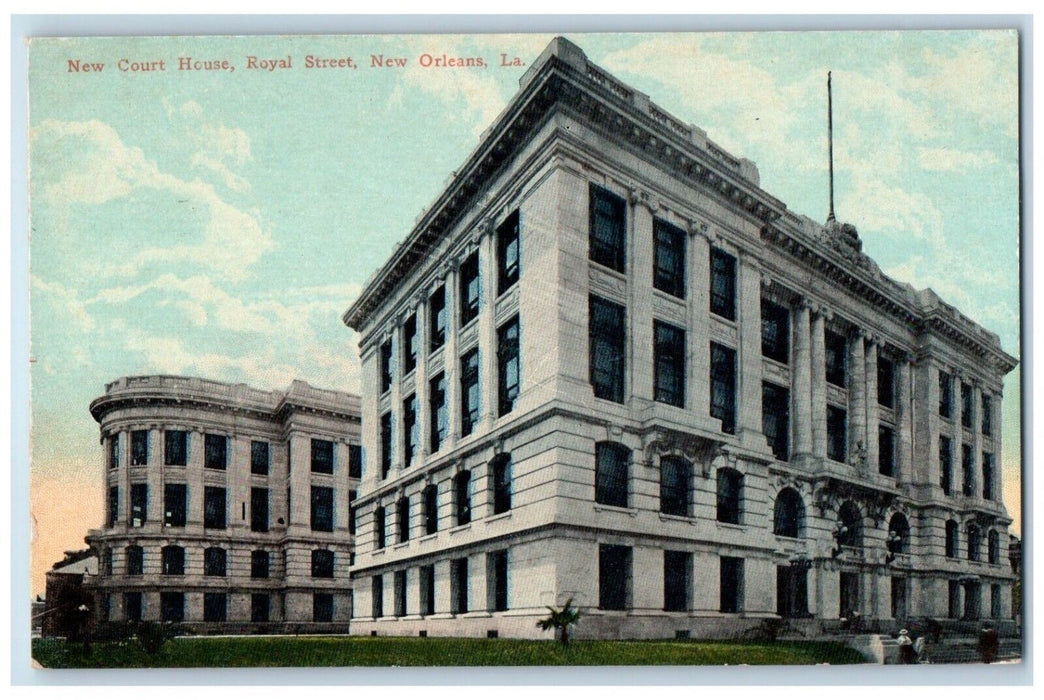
830	493
701	451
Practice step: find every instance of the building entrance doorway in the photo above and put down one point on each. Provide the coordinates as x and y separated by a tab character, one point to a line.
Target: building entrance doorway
898	598
792	591
972	596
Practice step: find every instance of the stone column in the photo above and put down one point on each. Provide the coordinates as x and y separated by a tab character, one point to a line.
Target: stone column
487	328
420	379
194	480
748	399
451	358
976	431
872	421
818	375
639	306
154	478
124	470
802	384
995	419
904	422
698	293
395	395
856	397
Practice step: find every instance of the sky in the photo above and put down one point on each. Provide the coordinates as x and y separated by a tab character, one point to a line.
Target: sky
218	223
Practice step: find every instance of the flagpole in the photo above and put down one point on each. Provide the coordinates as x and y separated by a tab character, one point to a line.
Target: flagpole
830	144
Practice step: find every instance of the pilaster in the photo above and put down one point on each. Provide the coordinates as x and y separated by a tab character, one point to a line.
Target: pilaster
802	384
857	399
904	422
818	384
487	325
698	293
640	314
872	421
748	405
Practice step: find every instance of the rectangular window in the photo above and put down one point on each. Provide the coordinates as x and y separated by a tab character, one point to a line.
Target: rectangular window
731	585
386	445
215	451
723	284
322	607
469	392
836	358
775	419
886	450
507	253
215	607
135	560
215	561
946	465
469	289
677	581
987	476
173	560
355	461
351	511
377	595
945	394
438	421
462	496
427	589
966	405
322	456
987	415
775	331
995	602
258	509
379	524
669	364
459	585
669	258
139	504
322	563
114	451
437	319
322	509
968	469
675	486
400	593
885	382
402	514
260	603
260	563
607	229
214	504
611	474
955	599
614	576
386	364
132	606
114	505
258	457
723	387
410	430
409	345
172	606
837	434
175	497
431	509
175	448
507	367
139	447
501	479
497	580
606	342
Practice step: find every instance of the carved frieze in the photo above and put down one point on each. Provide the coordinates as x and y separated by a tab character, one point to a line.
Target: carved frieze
606	283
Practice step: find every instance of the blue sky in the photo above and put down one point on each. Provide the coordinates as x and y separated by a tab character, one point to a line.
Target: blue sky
218	223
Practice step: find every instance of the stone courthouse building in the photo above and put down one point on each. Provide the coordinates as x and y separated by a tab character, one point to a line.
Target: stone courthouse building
227	507
607	366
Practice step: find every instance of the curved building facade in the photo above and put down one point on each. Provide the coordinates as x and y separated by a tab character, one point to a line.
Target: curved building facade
227	508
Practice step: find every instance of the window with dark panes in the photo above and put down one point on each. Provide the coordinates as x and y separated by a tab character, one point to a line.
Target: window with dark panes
215	561
669	364
114	505
993	547
885	382
214	505
132	606
355	461
677	580
507	253
437	319
788	516
462	497
497	580
730	495
459	585
400	593
723	284
996	607
946	465
507	366
966	405
675	486
386	445
898	534
974	543
668	258
322	563
945	395
139	504
951	539
402	518
322	456
987	476
379	524
114	451
258	509
469	392
723	387
431	509
377	595
427	589
351	511
175	448
215	451
968	470
775	331
885	450
106	562
175	497
851	519
607	235
172	606
139	447
775	419
386	365
469	289
410	430
987	415
260	563
955	599
135	560
259	457
501	480
215	607
614	576
322	509
611	474
172	558
322	607
731	585
410	340
438	421
606	343
260	604
837	433
835	357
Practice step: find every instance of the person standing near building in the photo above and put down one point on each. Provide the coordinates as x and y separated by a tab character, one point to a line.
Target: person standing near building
906	648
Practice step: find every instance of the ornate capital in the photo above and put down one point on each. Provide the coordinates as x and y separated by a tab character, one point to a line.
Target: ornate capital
637	196
698	228
698	450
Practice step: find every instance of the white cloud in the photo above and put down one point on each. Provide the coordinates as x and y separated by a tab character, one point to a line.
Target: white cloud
953	160
66	300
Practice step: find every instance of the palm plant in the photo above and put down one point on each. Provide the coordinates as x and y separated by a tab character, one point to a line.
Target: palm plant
561	620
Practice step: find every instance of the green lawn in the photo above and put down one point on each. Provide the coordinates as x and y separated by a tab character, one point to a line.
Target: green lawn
400	651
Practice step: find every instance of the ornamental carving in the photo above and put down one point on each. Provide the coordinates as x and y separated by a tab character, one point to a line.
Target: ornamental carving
698	450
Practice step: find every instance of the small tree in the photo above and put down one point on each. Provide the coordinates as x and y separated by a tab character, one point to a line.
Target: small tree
561	620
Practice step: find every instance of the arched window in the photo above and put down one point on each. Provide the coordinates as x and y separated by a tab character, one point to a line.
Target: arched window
500	469
788	518
173	560
214	561
951	539
974	542
611	473
675	486
993	547
730	493
850	521
462	497
898	534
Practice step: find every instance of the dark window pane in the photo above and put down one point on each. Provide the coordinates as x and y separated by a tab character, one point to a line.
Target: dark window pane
132	606
438	421
677	584
386	362
968	470
987	415
139	504
175	448
675	486
322	509
836	358
459	585
730	488
498	580
462	497
606	339
322	563
469	392
322	456
431	509
214	503
775	419
885	451
258	457
469	289
607	234
966	405
402	509
114	505
258	509
215	561
135	560
215	451
386	445
410	430
260	563
788	518
215	607
501	484
507	253
945	395
837	433
723	387
951	539
322	607
987	476
175	497
260	603
427	589
669	367
355	461
731	584
614	576
377	595
173	560
946	465
379	523
775	331
669	258
507	366
611	474
172	607
723	284
437	319
885	382
114	451
409	344
400	593
139	447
